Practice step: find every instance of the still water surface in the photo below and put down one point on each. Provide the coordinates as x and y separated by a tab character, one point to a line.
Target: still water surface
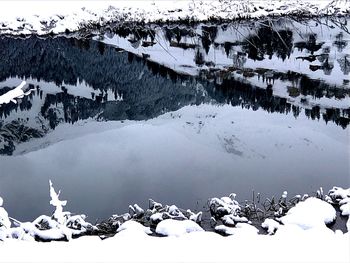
111	128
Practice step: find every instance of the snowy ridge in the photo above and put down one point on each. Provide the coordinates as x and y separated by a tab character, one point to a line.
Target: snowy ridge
43	17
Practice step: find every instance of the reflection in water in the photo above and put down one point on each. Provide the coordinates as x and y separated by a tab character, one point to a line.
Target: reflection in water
268	68
110	75
305	62
78	79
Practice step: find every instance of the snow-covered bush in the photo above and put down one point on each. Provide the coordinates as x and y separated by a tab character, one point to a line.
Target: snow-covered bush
227	210
152	216
341	197
60	226
5	222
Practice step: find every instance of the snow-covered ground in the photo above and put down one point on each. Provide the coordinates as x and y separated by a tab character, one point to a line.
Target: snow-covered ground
42	17
289	244
300	236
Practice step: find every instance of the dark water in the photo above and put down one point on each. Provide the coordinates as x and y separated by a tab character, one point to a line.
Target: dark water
77	80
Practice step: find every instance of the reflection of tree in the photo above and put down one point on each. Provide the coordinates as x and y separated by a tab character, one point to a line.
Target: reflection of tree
24	104
199	57
311	44
327	67
344	64
238	60
269	42
177	33
209	34
340	43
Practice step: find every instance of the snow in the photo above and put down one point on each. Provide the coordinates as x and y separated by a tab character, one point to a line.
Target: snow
156	217
342	197
241	229
291	245
16	93
186	241
41	17
58	215
171	227
133	227
338	193
311	213
271	225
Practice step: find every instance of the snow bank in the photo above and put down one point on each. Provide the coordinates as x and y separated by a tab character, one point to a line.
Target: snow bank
42	17
295	245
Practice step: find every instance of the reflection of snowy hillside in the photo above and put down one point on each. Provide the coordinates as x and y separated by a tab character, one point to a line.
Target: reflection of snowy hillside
76	79
316	48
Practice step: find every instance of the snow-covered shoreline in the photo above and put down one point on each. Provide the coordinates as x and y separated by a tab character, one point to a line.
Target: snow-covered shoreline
54	17
301	230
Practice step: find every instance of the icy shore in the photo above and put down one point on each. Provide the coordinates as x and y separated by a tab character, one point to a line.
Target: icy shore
53	17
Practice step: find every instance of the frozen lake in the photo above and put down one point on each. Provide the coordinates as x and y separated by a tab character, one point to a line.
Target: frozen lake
175	113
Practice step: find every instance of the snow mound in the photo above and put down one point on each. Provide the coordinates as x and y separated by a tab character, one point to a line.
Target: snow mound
171	227
312	212
134	227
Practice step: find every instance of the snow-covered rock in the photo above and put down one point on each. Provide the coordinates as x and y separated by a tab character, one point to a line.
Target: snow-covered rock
270	225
